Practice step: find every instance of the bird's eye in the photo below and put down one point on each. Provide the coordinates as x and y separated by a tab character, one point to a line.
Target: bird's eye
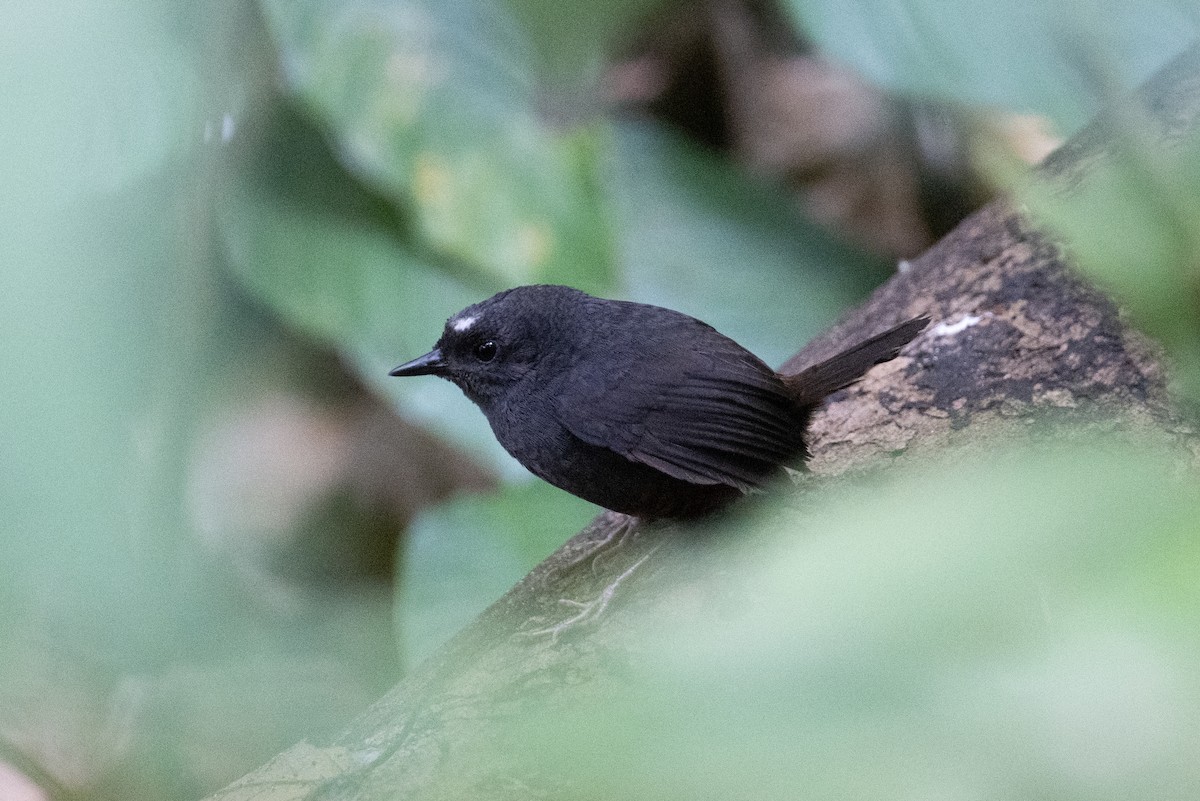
485	351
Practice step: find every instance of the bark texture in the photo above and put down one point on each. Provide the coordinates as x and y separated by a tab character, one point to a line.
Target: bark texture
1017	338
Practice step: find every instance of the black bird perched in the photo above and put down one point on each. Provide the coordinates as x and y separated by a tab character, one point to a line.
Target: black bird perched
637	408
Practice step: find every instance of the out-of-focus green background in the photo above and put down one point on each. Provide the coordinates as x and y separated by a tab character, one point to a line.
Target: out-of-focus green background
223	529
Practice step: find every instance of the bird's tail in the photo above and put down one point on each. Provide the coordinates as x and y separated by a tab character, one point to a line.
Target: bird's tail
810	386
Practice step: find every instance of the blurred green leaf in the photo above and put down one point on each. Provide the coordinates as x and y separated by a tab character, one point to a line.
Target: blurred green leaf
575	39
1059	58
331	258
67	134
435	105
116	318
463	555
100	337
1026	630
699	236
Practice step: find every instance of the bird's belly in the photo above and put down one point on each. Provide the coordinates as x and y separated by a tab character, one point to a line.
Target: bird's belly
602	476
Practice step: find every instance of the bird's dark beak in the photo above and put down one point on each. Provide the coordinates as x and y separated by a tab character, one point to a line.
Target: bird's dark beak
431	363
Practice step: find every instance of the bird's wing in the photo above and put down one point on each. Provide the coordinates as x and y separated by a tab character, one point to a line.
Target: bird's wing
699	408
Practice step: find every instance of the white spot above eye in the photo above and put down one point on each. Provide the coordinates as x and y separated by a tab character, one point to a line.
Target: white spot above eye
463	324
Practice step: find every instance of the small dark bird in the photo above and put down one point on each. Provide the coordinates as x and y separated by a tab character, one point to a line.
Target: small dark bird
637	408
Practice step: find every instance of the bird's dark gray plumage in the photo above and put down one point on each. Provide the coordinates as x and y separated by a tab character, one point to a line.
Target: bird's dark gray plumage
636	408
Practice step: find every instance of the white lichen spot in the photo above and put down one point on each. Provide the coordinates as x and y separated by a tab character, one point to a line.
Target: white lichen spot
947	329
463	323
903	266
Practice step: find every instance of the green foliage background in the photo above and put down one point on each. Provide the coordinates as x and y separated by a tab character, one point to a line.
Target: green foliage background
360	170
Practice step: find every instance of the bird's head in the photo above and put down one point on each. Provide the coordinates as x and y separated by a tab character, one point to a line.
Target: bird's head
491	347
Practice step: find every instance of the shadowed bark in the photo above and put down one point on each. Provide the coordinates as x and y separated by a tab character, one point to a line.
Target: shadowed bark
1016	338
